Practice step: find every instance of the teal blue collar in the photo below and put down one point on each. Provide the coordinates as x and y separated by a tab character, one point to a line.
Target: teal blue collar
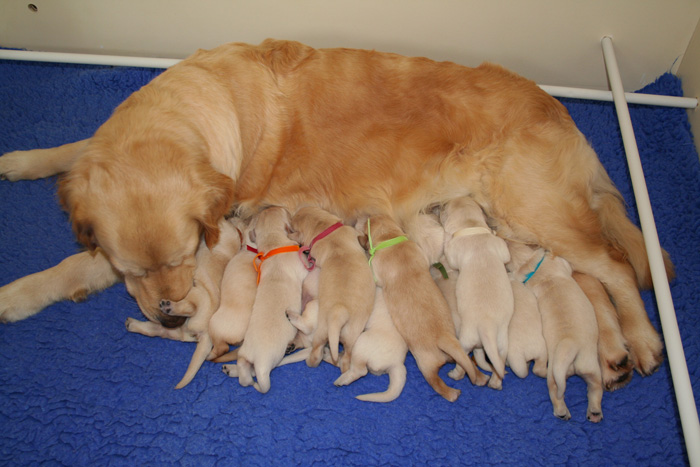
532	273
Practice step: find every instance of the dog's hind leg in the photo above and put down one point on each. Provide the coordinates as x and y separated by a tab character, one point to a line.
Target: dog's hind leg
615	363
646	348
74	278
40	163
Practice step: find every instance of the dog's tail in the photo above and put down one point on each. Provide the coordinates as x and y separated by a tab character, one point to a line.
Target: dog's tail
564	355
338	317
397	380
625	238
489	339
204	346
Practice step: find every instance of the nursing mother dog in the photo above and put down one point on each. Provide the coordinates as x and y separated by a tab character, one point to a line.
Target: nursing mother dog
354	132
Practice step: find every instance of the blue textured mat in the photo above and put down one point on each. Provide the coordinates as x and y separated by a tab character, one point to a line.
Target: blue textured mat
77	389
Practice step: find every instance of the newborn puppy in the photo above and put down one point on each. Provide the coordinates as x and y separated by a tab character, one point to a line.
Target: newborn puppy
346	287
200	303
379	349
238	288
415	304
525	340
281	274
613	353
484	293
569	328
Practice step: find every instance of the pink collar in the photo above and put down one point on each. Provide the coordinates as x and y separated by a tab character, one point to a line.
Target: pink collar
309	262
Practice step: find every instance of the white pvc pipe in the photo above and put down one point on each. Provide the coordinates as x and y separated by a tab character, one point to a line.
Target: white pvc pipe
674	346
631	97
147	62
87	59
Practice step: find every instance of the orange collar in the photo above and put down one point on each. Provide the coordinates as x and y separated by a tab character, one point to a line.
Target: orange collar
263	256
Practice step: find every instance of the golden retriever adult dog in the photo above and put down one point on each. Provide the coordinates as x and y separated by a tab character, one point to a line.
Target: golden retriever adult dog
351	131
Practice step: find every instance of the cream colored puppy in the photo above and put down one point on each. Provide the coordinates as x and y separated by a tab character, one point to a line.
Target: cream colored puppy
238	289
415	304
484	293
346	287
380	349
281	272
613	354
200	303
569	327
525	339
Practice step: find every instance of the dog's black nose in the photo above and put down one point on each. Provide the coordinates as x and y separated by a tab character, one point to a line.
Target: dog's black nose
171	321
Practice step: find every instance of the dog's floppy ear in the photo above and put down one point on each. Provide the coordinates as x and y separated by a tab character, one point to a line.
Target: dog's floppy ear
72	196
217	193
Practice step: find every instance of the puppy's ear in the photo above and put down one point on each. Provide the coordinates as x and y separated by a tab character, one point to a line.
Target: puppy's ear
72	195
217	193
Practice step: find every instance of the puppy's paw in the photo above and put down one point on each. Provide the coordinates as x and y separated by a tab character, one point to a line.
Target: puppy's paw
565	415
457	373
166	307
231	370
594	417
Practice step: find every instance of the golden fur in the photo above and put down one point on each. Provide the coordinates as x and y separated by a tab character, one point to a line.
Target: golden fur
377	133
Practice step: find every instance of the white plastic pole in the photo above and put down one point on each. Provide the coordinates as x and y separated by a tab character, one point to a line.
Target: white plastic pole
674	346
631	97
149	62
87	59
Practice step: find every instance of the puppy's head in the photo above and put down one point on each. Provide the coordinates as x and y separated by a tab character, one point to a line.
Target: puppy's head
270	226
147	213
309	221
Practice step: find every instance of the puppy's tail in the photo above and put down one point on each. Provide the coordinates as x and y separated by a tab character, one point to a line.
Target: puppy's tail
564	356
337	319
204	346
397	380
625	238
227	357
489	340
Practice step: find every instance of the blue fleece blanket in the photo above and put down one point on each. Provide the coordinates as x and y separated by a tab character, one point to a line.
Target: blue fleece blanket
77	389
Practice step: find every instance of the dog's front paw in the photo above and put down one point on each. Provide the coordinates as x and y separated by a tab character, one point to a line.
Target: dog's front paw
18	302
646	352
14	166
166	307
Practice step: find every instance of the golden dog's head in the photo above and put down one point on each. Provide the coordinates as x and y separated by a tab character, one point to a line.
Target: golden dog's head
148	214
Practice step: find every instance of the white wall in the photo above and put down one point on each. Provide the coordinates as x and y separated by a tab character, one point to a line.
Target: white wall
554	42
689	72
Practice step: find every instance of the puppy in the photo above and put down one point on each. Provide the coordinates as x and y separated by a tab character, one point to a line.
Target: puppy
415	304
346	286
484	293
281	275
200	303
380	349
238	289
569	328
525	339
615	364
